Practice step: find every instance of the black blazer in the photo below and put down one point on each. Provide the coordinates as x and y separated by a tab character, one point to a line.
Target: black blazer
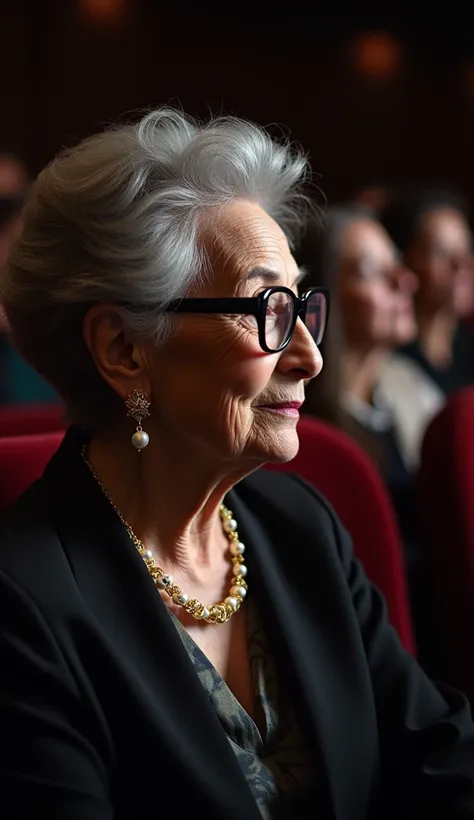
102	715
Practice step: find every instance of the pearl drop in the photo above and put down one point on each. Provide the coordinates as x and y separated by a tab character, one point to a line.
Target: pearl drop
238	590
182	599
237	548
140	439
233	602
148	555
230	524
240	569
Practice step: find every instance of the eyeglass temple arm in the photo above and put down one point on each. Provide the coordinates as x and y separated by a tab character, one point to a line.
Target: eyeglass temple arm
203	305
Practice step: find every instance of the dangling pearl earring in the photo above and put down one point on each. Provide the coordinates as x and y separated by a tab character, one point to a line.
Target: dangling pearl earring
137	405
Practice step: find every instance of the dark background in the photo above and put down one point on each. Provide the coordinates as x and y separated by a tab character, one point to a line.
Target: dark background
68	66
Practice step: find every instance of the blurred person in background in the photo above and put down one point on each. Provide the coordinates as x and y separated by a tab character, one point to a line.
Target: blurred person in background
372	197
19	383
380	398
432	233
152	662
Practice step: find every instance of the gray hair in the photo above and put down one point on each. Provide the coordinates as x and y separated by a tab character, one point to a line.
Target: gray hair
117	219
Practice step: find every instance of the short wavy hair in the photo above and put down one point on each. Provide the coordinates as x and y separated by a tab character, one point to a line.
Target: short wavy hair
117	219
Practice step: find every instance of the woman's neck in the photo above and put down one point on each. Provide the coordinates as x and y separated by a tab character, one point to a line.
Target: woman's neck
361	372
436	336
169	496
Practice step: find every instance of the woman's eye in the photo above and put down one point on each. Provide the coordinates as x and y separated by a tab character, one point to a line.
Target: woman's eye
249	321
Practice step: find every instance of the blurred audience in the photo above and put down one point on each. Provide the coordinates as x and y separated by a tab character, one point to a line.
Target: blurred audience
379	397
18	381
432	232
381	400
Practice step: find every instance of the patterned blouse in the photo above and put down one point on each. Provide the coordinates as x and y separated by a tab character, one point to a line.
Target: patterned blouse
276	765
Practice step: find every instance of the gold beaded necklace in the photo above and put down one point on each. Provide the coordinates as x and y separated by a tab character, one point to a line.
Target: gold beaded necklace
216	613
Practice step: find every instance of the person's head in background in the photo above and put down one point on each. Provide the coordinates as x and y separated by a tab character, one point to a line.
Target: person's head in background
13	188
373	197
432	232
371	305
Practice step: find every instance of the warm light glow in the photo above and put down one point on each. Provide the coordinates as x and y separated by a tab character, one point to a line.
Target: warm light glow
378	54
102	11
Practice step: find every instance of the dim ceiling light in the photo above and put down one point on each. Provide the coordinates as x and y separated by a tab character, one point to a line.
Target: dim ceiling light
377	54
102	11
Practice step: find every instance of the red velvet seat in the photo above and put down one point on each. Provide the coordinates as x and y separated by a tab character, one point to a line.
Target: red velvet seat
334	464
446	500
29	419
22	461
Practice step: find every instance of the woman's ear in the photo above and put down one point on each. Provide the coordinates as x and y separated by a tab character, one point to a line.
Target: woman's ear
119	359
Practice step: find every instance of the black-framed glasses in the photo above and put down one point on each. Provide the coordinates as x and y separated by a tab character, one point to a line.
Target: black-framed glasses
276	310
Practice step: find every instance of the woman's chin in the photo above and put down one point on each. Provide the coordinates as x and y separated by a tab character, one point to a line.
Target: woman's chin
282	448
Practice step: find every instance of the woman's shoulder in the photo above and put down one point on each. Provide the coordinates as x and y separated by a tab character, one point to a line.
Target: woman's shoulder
22	521
283	488
31	554
282	499
289	523
407	372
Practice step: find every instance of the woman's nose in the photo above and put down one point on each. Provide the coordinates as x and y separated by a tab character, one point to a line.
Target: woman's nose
301	354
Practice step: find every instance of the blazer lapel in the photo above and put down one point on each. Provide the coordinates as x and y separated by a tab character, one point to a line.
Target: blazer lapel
109	571
306	640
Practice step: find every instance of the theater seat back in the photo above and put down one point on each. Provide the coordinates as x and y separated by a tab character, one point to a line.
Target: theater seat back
336	466
446	501
31	419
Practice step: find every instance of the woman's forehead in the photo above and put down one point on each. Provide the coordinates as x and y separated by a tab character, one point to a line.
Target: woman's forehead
363	234
447	226
242	239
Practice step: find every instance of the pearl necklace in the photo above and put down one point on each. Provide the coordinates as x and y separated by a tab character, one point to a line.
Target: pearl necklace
216	613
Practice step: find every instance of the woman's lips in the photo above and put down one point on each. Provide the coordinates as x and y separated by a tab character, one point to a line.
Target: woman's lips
285	408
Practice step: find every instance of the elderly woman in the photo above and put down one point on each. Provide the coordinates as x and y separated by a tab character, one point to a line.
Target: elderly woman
182	635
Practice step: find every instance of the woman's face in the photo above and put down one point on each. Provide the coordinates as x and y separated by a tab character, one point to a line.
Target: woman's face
212	384
441	258
375	290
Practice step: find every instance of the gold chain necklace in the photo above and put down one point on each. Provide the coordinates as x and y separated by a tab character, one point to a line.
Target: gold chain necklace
215	614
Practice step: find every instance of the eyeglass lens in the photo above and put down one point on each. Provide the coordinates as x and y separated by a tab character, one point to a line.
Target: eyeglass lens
279	318
316	314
